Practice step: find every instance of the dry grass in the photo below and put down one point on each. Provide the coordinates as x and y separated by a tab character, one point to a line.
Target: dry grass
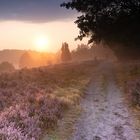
72	96
128	75
65	126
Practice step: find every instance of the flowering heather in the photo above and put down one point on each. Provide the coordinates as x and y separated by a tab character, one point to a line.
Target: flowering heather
26	121
28	104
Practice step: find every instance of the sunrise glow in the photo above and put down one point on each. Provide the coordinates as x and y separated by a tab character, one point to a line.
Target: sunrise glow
41	43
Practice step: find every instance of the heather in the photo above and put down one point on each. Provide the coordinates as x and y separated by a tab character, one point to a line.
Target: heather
129	79
33	100
133	85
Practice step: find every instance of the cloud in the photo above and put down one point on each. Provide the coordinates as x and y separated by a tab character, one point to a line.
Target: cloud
33	10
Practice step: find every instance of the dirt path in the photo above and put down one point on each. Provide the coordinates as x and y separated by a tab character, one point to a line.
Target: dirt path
105	115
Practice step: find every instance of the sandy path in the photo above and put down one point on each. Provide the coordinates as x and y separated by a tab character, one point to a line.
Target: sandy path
105	115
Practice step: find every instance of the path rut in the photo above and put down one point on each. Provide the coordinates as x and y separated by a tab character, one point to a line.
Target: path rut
105	115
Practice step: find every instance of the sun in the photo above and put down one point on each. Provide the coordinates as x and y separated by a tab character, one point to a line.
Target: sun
41	43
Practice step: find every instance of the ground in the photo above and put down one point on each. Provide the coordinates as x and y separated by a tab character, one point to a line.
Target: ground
106	115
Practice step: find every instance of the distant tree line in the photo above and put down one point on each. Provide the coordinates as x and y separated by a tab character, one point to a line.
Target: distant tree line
86	52
82	52
32	59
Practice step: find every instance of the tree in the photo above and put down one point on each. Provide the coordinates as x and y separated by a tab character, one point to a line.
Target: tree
65	52
82	52
6	67
26	61
114	22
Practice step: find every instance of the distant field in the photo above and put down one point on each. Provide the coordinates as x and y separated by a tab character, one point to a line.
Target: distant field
33	100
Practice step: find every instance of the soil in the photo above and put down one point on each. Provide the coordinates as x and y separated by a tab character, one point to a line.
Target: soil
106	115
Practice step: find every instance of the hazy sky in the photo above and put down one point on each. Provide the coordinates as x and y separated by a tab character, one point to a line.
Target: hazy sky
23	22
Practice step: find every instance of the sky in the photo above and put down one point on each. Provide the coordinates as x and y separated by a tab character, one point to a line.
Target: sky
23	23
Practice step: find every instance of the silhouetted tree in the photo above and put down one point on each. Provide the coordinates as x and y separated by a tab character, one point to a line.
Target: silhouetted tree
114	22
6	67
65	52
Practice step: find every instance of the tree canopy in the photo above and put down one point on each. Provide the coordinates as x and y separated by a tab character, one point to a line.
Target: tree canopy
110	21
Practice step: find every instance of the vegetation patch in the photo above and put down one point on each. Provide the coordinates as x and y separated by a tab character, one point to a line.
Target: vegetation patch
129	80
33	101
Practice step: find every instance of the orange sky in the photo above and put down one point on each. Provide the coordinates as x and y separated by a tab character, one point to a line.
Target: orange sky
23	35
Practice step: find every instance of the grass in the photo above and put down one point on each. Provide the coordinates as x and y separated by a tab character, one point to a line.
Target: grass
72	95
128	75
65	126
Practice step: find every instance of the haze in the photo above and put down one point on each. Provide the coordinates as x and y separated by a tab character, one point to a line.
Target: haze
23	22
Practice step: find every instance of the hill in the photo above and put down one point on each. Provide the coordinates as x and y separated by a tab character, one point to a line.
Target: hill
11	56
14	56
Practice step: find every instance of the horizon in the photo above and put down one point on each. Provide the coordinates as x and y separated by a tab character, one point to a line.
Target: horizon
45	51
37	26
23	35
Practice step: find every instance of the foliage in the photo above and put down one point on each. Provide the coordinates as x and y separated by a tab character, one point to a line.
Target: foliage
82	52
33	100
93	52
115	22
26	121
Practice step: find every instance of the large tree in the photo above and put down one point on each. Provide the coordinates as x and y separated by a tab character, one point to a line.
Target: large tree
114	22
